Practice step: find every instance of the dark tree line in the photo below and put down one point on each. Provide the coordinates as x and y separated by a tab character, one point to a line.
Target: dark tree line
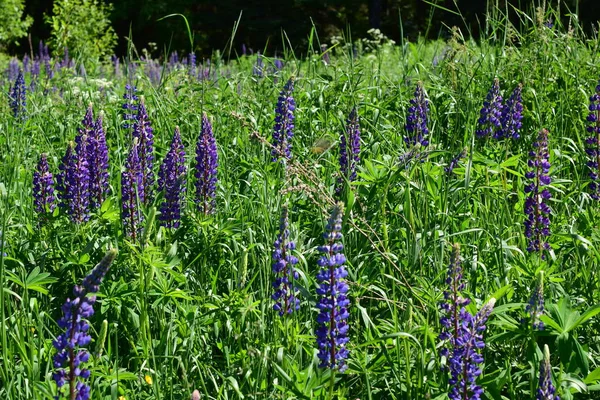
263	22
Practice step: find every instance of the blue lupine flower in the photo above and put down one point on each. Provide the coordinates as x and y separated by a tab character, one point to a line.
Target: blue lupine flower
537	222
416	121
97	153
73	182
283	131
70	345
593	144
332	333
43	189
131	186
206	168
142	130
171	180
546	389
535	307
285	295
349	151
18	96
512	114
130	106
489	123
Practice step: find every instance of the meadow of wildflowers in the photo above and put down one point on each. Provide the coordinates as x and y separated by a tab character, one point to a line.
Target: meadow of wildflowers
344	221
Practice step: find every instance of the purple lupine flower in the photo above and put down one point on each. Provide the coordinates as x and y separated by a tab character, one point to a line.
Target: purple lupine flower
26	64
537	221
205	173
546	390
466	354
70	345
18	97
13	69
593	144
349	150
171	180
416	121
43	189
97	153
535	307
453	303
285	296
512	114
130	106
259	67
284	123
142	130
332	333
192	64
131	189
73	182
243	49
489	123
449	169
173	60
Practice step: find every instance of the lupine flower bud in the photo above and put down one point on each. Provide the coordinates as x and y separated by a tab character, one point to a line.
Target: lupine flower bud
416	121
349	151
332	333
537	223
70	345
489	123
512	114
171	180
43	189
18	96
593	144
546	389
449	169
131	190
142	130
284	123
535	307
206	168
283	268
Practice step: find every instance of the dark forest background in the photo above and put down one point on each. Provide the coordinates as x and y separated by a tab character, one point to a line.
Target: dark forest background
263	21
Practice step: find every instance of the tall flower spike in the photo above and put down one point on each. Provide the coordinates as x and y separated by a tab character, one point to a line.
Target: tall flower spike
465	359
284	123
453	302
206	168
416	121
18	97
535	307
489	123
283	268
70	345
512	114
332	333
131	187
97	153
593	144
142	130
546	389
130	106
171	180
74	182
537	221
349	151
43	189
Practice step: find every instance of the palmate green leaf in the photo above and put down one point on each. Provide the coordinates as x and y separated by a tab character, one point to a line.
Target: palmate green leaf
35	280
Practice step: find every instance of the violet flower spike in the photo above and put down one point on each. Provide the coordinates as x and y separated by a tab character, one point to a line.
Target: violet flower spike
130	106
512	114
97	153
18	96
489	123
171	180
416	121
535	307
70	345
332	333
207	162
73	182
593	144
546	390
43	189
537	221
285	296
349	151
142	130
131	188
283	131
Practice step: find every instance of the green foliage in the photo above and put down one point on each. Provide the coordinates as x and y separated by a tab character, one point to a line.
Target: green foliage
82	27
12	24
